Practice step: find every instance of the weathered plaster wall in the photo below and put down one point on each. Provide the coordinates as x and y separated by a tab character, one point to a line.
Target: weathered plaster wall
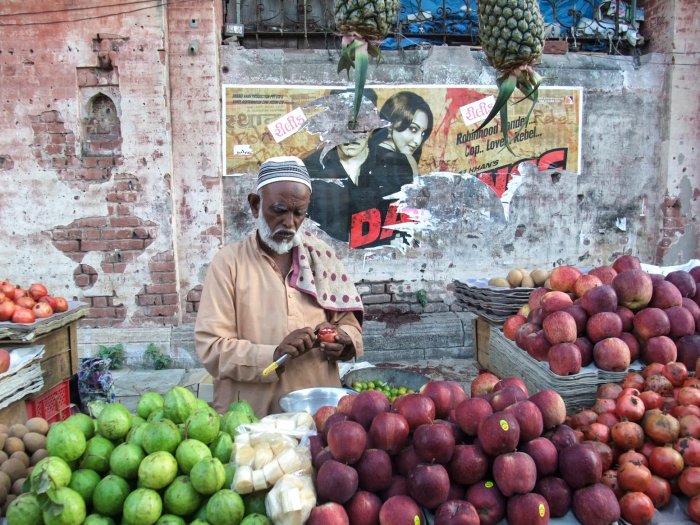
123	206
586	220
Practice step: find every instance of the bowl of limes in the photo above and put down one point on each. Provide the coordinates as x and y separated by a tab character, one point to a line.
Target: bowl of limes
392	381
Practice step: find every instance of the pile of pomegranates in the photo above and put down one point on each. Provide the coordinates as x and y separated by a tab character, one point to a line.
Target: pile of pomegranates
467	459
647	433
610	316
18	305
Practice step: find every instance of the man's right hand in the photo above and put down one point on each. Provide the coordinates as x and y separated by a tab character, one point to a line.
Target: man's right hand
296	343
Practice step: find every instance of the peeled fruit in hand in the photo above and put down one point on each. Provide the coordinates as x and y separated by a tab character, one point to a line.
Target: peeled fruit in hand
327	335
4	360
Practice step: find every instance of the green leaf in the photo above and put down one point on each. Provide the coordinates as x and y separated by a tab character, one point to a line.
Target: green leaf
361	65
505	90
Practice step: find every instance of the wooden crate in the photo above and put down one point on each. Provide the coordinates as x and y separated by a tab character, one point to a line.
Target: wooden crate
482	337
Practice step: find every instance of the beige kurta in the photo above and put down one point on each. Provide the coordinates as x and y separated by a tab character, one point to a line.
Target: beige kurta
245	311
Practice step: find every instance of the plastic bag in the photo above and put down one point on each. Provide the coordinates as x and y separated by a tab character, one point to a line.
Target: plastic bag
95	381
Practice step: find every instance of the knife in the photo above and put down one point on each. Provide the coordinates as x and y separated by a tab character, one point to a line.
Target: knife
275	365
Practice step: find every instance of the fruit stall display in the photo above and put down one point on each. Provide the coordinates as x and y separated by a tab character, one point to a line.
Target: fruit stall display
610	317
19	305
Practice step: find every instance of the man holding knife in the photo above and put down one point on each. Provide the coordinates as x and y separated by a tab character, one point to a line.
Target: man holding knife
269	294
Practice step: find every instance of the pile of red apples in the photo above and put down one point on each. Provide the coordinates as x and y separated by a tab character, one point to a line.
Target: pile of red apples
465	460
646	432
610	316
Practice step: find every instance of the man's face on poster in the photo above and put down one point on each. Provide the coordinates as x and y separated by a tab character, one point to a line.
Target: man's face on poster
354	148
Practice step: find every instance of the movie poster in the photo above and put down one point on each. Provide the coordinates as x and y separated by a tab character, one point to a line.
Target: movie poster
405	133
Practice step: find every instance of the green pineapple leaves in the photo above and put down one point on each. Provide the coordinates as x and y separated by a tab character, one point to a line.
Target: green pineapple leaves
528	82
355	53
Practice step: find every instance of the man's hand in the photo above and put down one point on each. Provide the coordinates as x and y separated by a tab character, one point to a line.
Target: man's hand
343	349
296	343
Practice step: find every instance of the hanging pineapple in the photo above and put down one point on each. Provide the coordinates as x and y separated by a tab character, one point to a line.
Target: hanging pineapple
362	25
512	36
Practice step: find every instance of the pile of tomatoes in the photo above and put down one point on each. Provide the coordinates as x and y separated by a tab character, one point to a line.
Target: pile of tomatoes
18	305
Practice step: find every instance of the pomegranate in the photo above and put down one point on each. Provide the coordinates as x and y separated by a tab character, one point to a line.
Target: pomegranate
37	291
23	315
659	492
633	477
637	508
42	310
689	481
630	407
627	435
660	427
666	462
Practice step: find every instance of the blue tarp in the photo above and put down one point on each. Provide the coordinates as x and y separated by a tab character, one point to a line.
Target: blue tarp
460	17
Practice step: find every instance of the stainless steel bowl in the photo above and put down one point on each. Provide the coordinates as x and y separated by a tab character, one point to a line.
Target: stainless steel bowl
311	399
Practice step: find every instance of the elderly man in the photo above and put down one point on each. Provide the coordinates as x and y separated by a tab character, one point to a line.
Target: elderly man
268	295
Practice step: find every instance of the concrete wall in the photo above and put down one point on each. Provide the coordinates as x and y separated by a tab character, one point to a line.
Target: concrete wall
123	206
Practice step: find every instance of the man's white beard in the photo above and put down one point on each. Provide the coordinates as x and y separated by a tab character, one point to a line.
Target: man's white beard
280	247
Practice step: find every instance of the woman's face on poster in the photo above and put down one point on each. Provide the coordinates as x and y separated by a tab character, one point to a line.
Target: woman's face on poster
410	139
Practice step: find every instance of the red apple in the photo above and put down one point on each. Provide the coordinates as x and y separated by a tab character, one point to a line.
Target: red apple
330	513
400	510
537	346
523	332
603	325
506	397
559	327
595	504
659	349
499	433
563	278
511	380
398	487
585	283
443	394
694	310
681	321
564	359
634	288
469	464
374	470
456	512
552	406
665	295
368	404
535	297
363	508
511	325
580	465
688	348
322	414
612	354
332	420
483	383
345	404
585	348
406	460
651	322
554	301
626	316
470	412
535	316
557	493
488	501
514	473
389	431
527	509
434	443
626	262
321	457
429	485
529	419
336	481
633	345
599	299
347	441
684	281
544	454
606	274
580	316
